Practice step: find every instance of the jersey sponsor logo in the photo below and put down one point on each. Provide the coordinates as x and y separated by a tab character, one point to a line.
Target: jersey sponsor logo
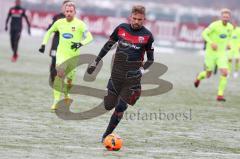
67	36
223	36
126	44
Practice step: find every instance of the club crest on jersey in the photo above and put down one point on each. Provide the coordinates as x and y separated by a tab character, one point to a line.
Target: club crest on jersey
73	29
141	39
223	36
67	36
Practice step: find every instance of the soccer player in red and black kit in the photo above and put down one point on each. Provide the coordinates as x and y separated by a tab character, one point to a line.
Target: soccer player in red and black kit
124	86
16	14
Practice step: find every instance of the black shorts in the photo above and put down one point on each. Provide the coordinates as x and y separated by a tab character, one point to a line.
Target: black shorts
119	86
128	91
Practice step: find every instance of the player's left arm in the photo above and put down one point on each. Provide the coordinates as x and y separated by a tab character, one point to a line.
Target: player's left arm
150	53
87	38
150	59
53	28
28	23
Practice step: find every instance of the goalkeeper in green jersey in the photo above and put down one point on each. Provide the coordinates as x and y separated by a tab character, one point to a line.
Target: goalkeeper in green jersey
72	35
217	35
234	52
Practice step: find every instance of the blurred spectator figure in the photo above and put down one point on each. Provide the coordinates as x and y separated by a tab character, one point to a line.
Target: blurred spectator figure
16	14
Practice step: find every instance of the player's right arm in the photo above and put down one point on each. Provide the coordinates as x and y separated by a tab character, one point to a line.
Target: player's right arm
108	45
8	17
54	19
52	29
206	34
105	49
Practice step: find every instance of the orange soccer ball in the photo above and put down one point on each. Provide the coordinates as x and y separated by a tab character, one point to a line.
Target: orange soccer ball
113	142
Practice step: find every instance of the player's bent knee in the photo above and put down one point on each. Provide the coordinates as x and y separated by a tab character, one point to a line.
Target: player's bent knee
224	72
209	73
60	73
132	95
69	82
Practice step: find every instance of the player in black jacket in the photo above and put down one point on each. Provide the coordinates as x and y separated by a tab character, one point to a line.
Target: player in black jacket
16	14
124	86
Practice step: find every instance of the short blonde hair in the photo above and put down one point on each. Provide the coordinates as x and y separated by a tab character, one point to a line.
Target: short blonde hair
70	4
65	1
225	10
138	9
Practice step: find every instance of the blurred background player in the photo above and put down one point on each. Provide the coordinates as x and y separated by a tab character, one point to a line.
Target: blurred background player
217	35
55	41
16	14
234	52
124	86
73	34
